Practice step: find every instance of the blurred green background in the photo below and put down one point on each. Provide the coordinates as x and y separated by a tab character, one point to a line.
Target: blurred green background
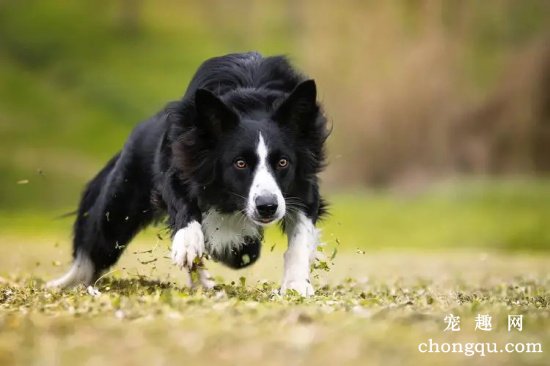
440	109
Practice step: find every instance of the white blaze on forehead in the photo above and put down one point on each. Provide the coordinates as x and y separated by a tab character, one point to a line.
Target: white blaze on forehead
261	150
264	182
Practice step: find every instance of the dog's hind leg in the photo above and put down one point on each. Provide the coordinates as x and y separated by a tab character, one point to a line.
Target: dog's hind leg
114	207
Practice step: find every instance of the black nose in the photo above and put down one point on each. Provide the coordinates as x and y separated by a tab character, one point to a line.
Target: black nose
266	205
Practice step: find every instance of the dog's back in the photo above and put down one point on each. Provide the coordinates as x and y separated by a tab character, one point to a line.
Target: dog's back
227	73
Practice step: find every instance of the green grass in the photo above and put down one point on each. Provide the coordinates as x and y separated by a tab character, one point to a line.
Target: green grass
506	215
400	264
394	302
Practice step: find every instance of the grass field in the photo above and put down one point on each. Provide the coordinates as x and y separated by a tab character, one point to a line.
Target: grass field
394	302
401	264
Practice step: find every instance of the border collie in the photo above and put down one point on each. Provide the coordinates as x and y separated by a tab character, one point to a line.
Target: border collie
240	151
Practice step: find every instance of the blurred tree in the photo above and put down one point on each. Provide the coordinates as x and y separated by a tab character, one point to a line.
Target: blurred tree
417	90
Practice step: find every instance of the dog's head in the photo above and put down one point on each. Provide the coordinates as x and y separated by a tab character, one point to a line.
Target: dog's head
250	150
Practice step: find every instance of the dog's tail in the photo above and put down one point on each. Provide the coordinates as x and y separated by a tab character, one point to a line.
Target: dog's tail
83	270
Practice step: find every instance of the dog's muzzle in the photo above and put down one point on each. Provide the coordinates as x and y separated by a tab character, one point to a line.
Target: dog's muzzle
266	207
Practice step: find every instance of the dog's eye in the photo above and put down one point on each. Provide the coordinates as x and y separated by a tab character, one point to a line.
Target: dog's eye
240	164
283	163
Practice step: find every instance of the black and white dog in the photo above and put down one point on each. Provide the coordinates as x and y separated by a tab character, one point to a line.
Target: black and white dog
240	151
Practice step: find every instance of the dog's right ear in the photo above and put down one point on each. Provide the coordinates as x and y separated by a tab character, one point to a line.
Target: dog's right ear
300	108
213	114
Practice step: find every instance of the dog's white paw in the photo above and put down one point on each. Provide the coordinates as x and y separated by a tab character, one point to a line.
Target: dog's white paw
206	281
303	287
188	244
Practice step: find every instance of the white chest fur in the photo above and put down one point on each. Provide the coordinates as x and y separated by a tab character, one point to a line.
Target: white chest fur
223	232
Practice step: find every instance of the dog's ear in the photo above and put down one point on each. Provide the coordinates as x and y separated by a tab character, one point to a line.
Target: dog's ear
300	107
213	114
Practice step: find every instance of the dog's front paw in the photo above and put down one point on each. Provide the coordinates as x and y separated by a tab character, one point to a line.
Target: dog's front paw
206	281
303	287
188	244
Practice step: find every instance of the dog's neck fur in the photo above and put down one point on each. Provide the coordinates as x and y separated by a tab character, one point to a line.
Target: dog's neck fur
224	232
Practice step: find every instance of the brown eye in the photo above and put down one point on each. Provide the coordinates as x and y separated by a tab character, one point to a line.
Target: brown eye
283	163
240	164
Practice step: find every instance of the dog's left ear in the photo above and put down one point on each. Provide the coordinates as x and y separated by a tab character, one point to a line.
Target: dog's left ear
300	107
213	114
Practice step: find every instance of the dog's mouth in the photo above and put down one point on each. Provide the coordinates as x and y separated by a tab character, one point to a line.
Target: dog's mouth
265	221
